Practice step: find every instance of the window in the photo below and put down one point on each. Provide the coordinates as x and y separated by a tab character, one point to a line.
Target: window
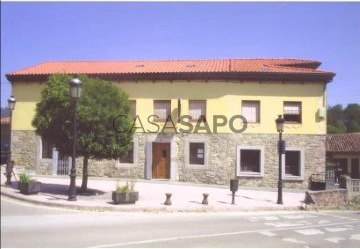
251	111
292	112
250	161
47	149
129	157
162	109
293	164
133	109
196	153
197	108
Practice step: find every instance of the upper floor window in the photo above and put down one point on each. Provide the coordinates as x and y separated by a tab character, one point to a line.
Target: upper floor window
162	109
47	149
197	109
251	111
133	109
292	112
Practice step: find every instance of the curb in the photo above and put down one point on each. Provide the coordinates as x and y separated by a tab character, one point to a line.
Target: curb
117	208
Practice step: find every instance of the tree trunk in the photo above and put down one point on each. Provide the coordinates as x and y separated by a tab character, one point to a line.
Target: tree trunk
84	175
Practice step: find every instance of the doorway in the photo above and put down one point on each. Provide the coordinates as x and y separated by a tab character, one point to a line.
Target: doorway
161	160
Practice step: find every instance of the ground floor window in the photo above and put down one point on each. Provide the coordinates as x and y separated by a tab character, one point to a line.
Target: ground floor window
196	153
294	163
128	157
250	161
47	149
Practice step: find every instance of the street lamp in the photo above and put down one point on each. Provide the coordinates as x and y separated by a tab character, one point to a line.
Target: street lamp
10	163
281	150
75	90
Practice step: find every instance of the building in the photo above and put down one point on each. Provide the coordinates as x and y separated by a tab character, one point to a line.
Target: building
345	150
214	92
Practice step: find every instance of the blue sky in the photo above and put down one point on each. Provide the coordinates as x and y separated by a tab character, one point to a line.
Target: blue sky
34	32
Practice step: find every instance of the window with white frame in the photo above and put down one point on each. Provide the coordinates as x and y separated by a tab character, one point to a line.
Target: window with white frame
162	109
47	149
294	163
250	161
251	111
292	112
197	109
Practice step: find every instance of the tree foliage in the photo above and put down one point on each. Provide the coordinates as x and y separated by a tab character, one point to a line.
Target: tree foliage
99	104
341	120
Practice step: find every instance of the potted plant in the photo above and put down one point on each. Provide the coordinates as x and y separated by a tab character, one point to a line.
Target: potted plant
125	194
28	185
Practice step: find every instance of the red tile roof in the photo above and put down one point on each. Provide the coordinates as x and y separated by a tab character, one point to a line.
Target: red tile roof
345	143
173	66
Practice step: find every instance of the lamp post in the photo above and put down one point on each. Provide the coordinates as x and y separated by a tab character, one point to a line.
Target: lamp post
281	150
75	90
10	163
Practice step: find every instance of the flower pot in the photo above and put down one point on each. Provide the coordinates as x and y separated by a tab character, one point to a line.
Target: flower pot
125	198
29	188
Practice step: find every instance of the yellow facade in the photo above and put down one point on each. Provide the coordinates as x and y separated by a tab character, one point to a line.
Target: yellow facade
222	98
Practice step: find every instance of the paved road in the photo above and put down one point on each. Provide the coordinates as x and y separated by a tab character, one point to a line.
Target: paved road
33	226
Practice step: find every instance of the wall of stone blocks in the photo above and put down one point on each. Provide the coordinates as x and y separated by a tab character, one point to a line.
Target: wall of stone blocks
222	153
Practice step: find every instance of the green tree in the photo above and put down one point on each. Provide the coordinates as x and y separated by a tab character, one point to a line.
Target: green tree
335	120
352	117
99	104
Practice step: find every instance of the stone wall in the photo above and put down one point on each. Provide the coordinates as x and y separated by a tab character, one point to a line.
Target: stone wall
24	149
329	198
222	158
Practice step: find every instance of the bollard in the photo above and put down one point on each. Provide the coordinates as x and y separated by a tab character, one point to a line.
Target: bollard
168	199
234	185
205	201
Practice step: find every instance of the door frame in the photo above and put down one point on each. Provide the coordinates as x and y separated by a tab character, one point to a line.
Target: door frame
149	154
168	164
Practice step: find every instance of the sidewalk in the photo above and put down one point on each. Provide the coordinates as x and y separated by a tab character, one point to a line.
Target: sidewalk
186	197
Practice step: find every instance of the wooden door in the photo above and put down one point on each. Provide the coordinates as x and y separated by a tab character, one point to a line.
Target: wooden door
161	160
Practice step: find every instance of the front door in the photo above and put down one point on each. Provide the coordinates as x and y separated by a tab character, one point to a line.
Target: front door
161	160
355	168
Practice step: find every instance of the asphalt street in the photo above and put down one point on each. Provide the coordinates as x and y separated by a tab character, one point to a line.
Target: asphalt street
26	225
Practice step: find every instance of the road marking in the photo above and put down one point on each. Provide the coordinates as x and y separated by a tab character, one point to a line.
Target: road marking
309	231
335	239
263	218
294	241
298	216
268	233
355	237
338	216
338	229
284	224
125	244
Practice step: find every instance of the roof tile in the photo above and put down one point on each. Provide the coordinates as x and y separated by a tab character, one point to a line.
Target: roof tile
346	143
